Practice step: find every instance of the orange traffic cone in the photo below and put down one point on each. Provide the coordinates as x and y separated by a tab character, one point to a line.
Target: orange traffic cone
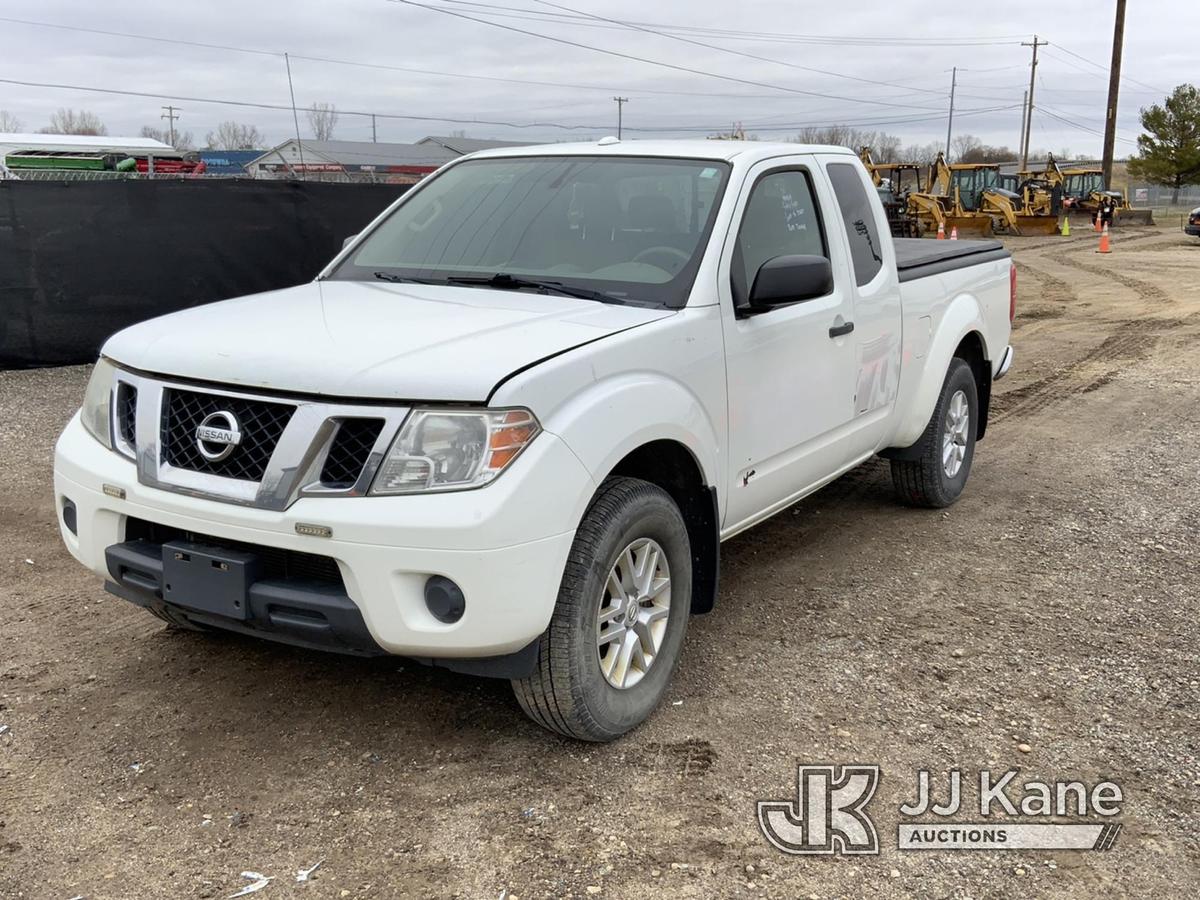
941	235
954	233
1099	225
1105	245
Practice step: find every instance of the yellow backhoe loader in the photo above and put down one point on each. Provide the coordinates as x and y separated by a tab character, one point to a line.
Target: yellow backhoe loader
925	205
978	192
1083	191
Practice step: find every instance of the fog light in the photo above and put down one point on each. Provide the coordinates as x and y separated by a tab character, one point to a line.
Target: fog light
445	599
70	516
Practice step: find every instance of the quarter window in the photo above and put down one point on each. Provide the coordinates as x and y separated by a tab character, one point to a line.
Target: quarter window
861	231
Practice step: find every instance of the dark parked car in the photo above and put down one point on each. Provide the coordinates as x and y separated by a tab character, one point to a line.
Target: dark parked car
1193	224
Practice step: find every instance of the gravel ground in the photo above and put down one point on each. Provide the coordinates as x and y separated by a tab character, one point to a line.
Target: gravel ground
1047	622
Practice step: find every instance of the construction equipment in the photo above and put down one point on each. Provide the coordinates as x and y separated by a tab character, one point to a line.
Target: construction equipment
894	182
941	186
918	208
976	187
1083	192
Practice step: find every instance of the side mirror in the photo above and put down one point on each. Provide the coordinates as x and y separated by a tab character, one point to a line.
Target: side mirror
790	279
346	243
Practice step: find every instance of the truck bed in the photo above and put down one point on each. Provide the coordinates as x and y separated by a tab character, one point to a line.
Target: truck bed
917	258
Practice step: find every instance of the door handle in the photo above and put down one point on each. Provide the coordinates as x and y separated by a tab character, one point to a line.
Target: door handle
839	330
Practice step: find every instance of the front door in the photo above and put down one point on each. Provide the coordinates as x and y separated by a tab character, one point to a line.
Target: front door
790	370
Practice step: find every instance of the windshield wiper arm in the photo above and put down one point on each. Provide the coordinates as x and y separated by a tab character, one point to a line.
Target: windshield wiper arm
403	279
504	280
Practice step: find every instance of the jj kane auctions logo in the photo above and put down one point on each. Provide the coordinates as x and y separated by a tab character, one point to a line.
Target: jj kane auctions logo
829	814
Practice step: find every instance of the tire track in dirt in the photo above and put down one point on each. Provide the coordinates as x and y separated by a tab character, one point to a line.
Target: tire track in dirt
1032	248
1131	343
1144	289
1055	289
1087	236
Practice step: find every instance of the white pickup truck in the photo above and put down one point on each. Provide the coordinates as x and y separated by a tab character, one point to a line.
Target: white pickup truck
506	430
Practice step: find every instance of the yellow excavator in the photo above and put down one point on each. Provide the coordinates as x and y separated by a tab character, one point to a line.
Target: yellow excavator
1083	191
977	191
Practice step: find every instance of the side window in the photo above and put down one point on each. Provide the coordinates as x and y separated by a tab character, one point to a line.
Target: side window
781	219
861	231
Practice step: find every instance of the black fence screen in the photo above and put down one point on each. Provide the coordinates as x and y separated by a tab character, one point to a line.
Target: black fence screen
80	260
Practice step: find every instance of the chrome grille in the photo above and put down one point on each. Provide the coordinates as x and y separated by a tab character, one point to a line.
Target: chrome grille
288	447
261	424
349	451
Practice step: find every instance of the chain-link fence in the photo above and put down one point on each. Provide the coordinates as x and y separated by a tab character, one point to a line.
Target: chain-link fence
1155	196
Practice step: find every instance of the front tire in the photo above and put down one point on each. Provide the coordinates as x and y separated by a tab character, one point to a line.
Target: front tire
619	622
946	449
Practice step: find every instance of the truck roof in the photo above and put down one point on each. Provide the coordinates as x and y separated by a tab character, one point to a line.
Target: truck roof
744	152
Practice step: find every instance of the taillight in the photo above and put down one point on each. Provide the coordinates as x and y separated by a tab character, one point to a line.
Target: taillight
1012	294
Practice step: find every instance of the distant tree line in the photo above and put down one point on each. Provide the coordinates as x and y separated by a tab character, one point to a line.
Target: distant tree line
228	135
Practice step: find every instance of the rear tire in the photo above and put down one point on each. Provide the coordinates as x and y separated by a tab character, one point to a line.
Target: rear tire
938	474
618	625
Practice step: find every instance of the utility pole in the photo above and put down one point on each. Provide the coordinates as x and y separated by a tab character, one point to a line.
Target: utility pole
295	118
621	101
1024	103
1029	108
171	114
374	138
950	123
1114	87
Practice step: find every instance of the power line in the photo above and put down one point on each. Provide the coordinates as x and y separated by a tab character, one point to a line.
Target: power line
380	66
287	108
778	62
649	129
1104	69
757	36
1059	117
646	60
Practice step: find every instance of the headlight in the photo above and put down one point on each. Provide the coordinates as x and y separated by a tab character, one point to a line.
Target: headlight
450	449
96	413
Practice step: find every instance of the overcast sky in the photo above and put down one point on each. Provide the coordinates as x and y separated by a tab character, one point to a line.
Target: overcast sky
897	81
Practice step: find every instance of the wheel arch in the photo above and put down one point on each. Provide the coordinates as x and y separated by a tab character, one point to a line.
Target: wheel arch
971	350
961	330
670	465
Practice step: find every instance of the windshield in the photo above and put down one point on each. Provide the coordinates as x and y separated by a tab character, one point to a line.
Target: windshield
630	230
1085	183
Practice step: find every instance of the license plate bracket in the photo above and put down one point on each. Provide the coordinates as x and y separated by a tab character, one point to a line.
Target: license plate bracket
209	579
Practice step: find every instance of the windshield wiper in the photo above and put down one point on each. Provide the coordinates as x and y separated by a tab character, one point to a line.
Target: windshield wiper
404	279
509	282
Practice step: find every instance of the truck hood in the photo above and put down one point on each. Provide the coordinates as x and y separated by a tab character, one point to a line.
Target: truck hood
371	340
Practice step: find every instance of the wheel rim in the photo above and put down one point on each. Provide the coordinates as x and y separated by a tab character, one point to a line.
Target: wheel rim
634	608
954	435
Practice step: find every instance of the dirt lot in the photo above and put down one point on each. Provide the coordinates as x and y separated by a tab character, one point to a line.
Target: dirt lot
1046	622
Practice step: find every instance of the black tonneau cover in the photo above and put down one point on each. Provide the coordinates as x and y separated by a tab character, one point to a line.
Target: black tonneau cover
917	257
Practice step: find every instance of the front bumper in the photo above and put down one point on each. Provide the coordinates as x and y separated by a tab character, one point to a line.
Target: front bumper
504	545
1193	230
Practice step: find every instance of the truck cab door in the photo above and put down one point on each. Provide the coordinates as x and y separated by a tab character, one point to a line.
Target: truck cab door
872	281
790	369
